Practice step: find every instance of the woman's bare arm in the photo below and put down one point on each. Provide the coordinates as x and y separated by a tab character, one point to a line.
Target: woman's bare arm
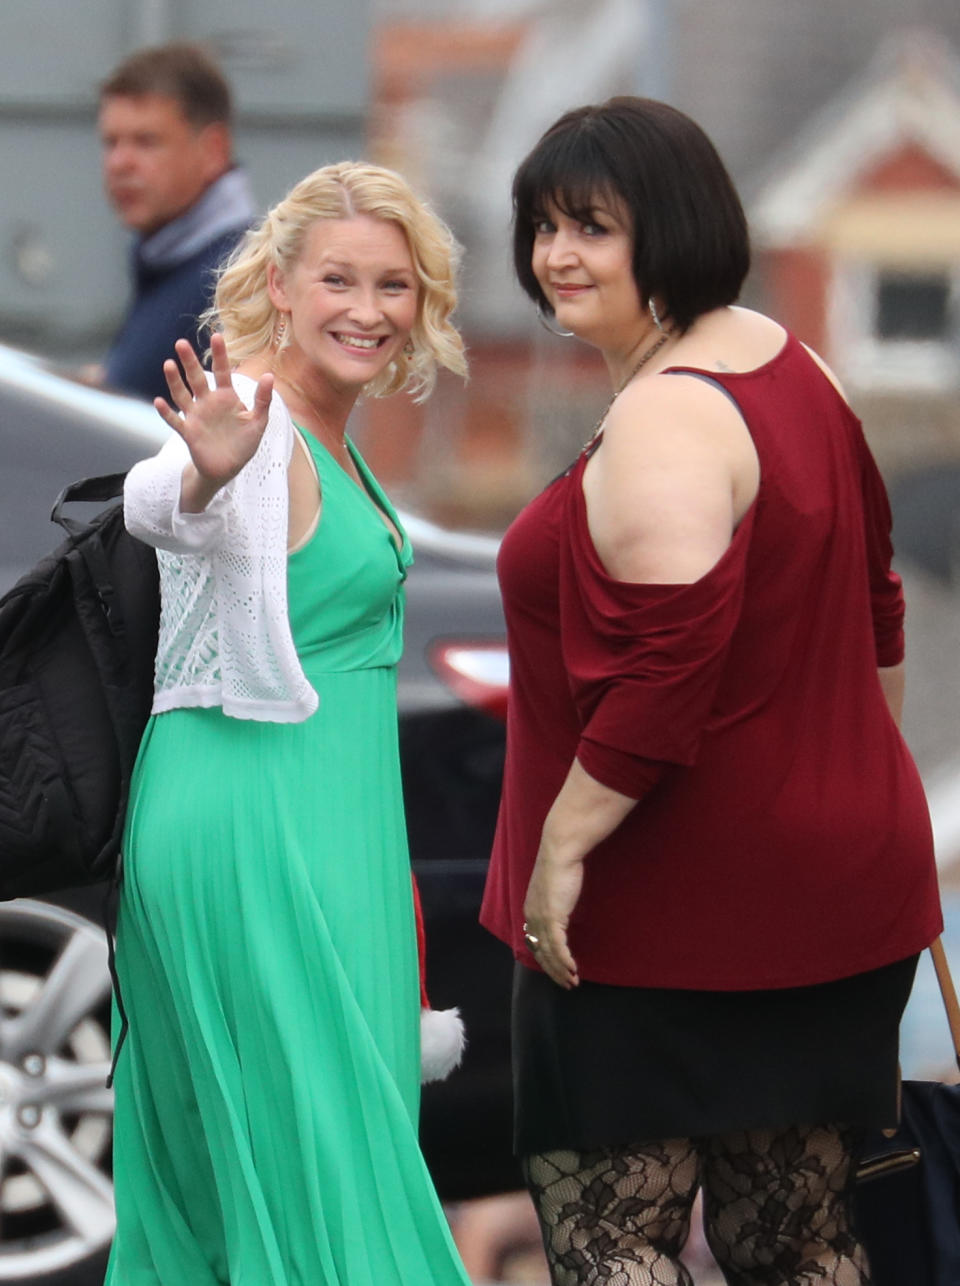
664	491
675	472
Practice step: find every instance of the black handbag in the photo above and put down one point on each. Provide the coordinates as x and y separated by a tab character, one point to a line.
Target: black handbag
907	1200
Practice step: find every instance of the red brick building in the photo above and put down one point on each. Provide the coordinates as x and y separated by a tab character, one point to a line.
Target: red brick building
858	245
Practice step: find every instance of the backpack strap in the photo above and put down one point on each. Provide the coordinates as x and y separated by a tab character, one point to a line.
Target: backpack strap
94	490
107	487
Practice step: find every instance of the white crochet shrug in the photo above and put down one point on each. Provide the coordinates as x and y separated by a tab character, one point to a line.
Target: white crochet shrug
225	637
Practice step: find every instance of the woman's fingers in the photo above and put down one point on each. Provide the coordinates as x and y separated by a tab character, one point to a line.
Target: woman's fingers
219	362
180	395
557	972
167	413
565	963
552	953
192	369
262	396
559	964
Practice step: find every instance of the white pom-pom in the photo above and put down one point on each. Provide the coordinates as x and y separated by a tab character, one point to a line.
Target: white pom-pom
442	1042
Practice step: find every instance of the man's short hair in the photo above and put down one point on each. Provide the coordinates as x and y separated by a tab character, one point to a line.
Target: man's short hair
183	72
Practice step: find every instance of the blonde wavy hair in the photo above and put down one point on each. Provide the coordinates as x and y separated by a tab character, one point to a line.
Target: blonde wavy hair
244	314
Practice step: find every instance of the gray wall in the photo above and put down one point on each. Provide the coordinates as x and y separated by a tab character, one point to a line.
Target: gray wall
300	74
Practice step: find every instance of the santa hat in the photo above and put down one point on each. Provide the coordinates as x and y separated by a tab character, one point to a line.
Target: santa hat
442	1037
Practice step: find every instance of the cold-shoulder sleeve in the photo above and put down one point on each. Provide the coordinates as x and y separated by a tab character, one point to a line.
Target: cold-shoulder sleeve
886	588
644	661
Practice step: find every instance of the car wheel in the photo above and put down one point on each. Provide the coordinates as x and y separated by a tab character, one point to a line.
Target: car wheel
56	1114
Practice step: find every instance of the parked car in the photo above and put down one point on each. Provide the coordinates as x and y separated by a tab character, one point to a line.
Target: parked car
56	1199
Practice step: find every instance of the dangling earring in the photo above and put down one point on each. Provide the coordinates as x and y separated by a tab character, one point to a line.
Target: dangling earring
409	349
280	332
554	330
652	305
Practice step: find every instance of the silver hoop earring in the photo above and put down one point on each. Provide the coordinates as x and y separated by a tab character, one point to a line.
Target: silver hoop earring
554	330
652	305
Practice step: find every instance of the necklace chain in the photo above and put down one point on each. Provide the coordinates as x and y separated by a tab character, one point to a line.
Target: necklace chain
651	351
340	442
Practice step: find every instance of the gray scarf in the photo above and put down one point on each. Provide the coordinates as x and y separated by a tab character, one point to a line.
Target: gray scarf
226	204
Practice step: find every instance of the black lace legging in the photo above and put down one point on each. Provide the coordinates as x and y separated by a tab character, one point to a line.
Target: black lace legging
776	1209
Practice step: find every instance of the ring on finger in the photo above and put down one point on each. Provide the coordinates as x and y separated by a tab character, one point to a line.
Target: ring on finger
530	939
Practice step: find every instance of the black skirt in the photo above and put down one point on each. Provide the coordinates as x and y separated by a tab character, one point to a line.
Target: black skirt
605	1066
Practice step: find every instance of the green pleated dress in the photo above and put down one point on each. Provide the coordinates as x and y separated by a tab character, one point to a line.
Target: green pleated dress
268	1091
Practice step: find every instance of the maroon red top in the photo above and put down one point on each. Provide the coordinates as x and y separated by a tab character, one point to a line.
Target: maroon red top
782	836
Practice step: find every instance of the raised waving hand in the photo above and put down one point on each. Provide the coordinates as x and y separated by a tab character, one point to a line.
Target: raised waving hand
221	433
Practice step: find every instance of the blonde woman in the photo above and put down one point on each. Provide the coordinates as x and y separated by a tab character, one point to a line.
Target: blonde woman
267	1094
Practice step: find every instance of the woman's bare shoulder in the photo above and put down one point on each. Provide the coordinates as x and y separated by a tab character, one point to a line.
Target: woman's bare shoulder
732	340
693	408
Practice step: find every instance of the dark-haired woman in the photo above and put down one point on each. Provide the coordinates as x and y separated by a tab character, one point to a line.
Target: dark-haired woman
713	859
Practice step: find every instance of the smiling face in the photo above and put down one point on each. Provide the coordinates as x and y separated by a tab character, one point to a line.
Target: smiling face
350	301
584	266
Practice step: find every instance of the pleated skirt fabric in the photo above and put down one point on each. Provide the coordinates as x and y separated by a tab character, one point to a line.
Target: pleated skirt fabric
268	1091
605	1066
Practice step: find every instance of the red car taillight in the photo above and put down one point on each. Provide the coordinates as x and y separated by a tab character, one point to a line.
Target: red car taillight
477	671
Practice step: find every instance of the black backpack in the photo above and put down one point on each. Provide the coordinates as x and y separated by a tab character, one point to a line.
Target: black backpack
78	638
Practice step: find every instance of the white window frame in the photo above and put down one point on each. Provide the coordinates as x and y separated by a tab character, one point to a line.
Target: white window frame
865	359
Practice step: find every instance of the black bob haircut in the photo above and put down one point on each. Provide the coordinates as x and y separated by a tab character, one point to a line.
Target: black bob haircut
691	247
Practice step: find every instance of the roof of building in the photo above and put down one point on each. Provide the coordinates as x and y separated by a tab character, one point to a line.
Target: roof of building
907	100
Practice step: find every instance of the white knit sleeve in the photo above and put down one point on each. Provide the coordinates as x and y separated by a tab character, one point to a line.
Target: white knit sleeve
151	505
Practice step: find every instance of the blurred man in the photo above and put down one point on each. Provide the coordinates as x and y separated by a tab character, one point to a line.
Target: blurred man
169	173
